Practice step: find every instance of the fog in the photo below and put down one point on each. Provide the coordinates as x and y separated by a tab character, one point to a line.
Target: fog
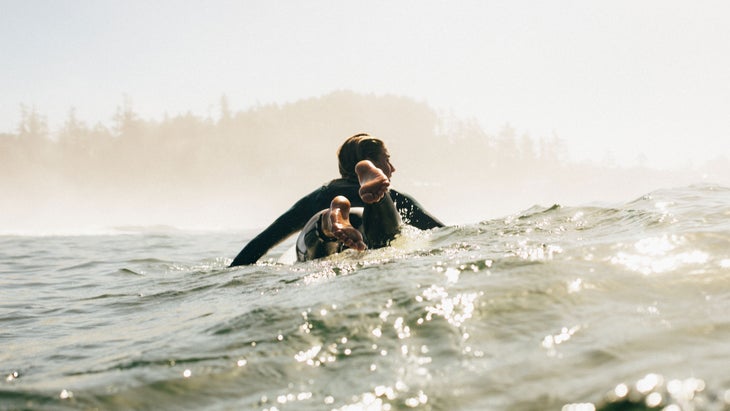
240	169
488	107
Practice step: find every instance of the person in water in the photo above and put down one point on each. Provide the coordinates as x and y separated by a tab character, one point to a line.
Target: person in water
359	210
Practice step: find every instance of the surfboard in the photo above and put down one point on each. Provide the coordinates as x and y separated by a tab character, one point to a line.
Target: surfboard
289	257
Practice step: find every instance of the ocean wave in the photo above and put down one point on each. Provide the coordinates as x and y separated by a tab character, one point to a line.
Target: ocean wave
607	307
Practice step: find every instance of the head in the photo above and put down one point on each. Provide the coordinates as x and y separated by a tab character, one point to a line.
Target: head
363	147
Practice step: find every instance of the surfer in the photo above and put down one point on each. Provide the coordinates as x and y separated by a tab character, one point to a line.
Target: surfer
359	210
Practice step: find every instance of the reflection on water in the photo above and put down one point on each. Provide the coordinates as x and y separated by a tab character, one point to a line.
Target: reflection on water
656	255
576	308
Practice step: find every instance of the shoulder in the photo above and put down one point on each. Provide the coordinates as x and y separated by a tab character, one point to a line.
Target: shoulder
321	197
338	187
341	183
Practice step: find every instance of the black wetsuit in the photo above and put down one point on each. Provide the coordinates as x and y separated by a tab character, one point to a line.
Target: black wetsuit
302	211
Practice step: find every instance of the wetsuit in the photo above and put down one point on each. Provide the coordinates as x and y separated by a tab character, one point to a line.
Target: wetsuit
302	212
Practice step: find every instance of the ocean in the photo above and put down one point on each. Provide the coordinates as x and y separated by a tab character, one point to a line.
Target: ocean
557	307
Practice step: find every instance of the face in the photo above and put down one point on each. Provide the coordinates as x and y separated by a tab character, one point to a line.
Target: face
382	161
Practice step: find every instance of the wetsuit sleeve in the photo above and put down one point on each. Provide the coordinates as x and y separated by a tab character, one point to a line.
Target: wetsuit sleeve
412	213
287	224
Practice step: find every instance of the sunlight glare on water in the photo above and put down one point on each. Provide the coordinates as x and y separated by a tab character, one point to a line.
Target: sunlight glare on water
544	310
656	255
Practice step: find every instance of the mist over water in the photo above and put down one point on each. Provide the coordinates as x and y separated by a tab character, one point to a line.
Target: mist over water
236	170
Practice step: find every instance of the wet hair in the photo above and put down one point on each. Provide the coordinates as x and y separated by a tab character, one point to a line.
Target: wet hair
355	149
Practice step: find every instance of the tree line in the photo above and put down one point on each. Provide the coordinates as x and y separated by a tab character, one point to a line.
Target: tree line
267	142
277	152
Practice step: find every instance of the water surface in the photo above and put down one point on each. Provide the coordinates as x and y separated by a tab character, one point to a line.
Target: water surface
556	307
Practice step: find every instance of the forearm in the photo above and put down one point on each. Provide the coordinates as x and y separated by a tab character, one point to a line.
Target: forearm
413	214
249	254
287	224
425	221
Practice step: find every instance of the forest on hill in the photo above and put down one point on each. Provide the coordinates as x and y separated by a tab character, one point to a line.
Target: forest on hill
242	168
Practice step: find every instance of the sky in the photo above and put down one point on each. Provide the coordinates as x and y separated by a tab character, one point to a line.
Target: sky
614	79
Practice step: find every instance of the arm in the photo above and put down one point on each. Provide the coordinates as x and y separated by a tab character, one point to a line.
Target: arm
287	224
412	212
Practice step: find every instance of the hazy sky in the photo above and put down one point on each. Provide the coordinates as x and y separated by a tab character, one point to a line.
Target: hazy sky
625	76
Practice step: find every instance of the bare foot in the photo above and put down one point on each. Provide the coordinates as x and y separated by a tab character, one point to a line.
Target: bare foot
337	224
373	182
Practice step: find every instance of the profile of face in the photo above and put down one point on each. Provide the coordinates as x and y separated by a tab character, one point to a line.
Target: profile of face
382	161
363	147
